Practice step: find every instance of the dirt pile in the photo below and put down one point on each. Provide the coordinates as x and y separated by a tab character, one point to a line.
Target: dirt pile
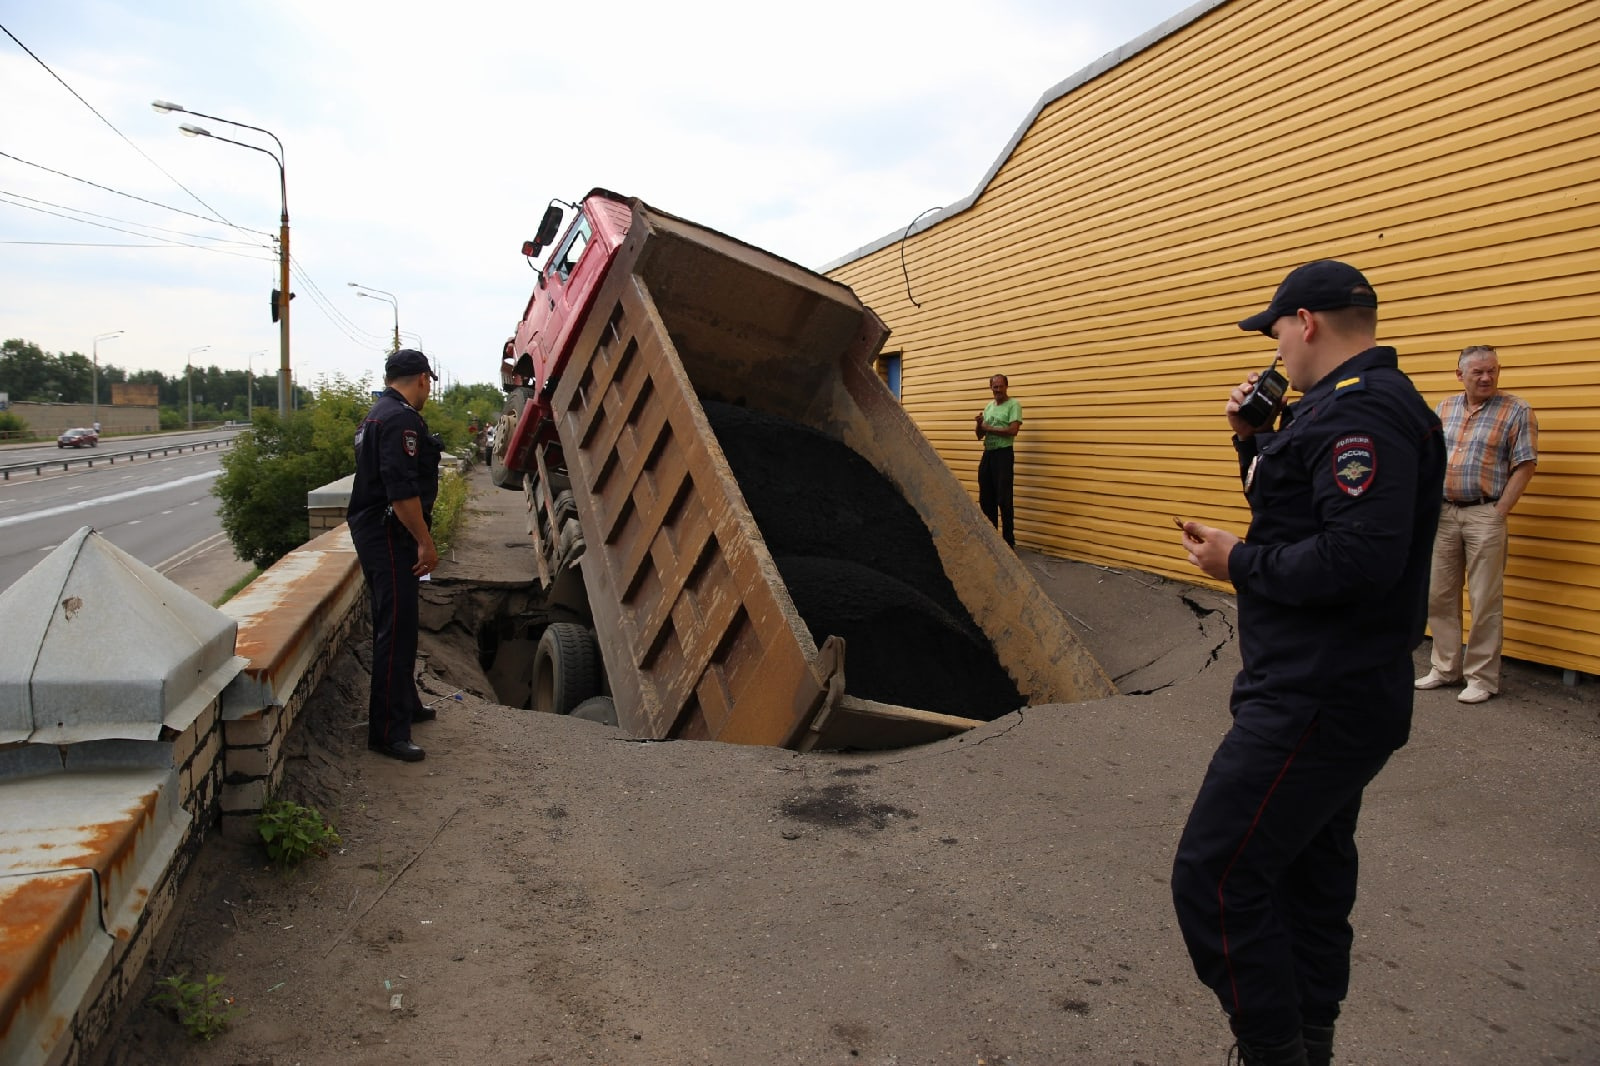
859	564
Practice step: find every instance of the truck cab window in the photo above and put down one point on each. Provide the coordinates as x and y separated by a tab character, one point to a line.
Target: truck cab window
571	250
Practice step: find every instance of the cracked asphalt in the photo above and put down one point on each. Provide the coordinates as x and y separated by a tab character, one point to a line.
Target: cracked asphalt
567	895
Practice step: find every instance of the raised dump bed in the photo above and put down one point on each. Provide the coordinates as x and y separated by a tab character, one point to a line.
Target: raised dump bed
770	551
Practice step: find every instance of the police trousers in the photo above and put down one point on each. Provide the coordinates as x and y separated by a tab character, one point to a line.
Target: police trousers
1265	879
387	553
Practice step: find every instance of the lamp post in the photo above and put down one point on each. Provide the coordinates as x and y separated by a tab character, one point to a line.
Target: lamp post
379	294
188	377
94	378
282	307
250	386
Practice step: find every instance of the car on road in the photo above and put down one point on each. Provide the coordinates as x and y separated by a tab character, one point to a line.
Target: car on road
78	438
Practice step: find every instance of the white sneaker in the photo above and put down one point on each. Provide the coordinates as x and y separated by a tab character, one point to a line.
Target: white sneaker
1474	693
1434	679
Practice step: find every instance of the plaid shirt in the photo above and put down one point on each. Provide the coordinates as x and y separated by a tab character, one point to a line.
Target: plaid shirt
1486	444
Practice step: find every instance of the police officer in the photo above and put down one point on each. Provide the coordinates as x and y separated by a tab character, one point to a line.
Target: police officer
391	507
1332	585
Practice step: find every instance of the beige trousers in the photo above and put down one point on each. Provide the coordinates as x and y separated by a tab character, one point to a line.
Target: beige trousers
1471	546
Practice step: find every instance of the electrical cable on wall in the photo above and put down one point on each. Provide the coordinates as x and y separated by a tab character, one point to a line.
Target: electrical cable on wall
906	273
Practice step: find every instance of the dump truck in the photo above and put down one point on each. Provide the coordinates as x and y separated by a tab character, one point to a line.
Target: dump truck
739	533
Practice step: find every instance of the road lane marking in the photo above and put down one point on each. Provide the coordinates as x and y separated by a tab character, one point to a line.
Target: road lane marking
51	512
192	552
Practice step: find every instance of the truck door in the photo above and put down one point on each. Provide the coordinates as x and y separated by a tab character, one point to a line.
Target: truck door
563	295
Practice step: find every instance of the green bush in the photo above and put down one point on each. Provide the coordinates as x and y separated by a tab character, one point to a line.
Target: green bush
272	466
10	423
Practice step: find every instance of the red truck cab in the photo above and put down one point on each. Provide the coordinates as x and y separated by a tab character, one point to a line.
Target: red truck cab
533	359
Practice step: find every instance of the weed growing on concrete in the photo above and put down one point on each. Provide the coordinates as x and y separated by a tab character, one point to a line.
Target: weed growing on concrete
447	508
201	1007
293	833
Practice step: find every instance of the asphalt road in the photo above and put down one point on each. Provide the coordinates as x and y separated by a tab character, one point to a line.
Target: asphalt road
160	509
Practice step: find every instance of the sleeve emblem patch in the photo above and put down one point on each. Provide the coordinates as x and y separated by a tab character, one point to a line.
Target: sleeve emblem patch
1355	464
409	437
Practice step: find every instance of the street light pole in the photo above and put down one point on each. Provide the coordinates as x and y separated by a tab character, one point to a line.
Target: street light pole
94	379
368	290
164	107
188	377
250	385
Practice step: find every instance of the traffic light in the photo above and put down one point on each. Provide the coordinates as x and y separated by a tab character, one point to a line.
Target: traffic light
275	293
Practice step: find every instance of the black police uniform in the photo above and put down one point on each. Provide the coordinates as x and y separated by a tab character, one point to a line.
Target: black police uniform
396	459
1332	585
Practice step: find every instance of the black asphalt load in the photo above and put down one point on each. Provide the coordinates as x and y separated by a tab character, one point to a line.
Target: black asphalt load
860	564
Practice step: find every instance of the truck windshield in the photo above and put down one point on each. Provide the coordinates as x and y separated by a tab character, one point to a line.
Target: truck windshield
571	249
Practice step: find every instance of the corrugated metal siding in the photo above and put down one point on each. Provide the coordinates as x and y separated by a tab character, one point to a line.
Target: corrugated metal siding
1448	150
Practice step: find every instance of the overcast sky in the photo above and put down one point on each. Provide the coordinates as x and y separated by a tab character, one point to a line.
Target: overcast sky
423	142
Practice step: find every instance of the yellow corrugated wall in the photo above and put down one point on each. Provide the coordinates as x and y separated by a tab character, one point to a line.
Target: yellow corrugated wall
1450	150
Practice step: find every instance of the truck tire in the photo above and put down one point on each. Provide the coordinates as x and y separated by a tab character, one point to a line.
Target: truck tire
599	709
516	400
566	668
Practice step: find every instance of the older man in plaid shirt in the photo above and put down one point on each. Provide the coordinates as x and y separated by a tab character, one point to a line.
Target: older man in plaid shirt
1493	441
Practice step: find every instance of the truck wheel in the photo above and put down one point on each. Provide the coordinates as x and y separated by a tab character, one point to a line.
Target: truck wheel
516	400
597	709
566	668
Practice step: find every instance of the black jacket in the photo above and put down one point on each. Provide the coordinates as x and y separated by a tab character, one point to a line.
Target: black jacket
1332	578
396	459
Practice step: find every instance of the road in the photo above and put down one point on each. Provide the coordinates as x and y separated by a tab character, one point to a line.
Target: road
160	509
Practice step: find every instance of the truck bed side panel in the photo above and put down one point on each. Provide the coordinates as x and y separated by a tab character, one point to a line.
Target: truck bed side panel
677	583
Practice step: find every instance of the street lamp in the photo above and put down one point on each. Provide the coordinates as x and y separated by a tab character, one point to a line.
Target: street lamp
250	385
282	306
378	294
94	379
188	377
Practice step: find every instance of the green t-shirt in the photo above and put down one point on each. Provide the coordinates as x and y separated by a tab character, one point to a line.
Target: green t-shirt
999	416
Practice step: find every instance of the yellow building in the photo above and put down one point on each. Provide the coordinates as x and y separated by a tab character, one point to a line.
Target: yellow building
1450	150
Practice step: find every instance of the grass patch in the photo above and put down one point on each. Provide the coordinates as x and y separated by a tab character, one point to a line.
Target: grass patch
447	510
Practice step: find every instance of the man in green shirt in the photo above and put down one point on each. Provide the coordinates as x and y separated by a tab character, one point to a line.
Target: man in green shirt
997	426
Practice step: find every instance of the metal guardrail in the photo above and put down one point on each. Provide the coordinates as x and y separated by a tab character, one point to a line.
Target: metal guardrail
38	466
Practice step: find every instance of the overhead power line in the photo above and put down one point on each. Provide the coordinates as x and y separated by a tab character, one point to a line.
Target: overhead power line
214	212
119	229
142	225
119	192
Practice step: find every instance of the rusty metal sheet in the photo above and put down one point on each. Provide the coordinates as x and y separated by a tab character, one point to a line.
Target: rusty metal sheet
285	617
125	825
95	644
53	958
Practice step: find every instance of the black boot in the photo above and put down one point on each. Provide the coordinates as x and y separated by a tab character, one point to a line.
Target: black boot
1319	1044
1292	1053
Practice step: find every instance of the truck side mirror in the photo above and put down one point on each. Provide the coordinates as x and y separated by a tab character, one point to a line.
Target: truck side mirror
548	225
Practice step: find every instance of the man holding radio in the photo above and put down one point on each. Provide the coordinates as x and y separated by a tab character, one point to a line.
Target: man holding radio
1332	584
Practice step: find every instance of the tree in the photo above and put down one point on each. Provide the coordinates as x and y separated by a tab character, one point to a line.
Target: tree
274	465
25	370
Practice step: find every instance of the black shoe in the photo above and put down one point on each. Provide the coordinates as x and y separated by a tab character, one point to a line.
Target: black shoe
427	714
403	750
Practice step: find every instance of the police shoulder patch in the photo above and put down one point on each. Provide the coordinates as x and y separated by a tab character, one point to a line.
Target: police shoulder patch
409	437
1355	463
